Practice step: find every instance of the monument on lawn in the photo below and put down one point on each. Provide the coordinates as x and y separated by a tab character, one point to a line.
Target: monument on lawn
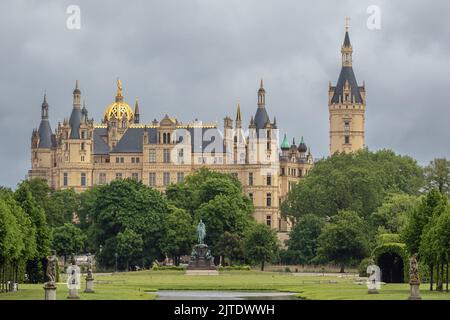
50	285
414	280
201	258
374	278
73	280
89	277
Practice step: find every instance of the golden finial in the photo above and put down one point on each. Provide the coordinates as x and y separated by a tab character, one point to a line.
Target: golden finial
347	24
119	87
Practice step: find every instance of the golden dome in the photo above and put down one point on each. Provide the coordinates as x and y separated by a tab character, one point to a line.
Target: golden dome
119	109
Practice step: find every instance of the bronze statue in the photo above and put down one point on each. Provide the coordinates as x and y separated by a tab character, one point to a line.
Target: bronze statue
51	268
201	232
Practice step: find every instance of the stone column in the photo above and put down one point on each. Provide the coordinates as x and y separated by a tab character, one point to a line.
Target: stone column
50	291
89	284
414	291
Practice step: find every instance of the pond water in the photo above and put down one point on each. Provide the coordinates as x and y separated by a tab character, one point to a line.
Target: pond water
223	295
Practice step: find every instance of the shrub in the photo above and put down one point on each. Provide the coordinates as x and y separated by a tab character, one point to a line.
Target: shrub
235	268
160	268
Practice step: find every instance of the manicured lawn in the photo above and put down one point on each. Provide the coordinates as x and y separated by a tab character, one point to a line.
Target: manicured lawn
136	285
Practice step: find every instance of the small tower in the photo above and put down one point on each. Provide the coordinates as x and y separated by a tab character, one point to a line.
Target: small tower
285	146
238	116
261	95
76	115
136	111
346	106
41	145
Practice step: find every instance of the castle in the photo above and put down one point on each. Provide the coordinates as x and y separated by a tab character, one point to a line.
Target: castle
81	153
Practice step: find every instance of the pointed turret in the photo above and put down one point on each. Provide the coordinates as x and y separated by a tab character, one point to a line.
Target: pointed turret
136	111
76	115
84	113
285	144
261	116
238	116
44	131
347	89
302	148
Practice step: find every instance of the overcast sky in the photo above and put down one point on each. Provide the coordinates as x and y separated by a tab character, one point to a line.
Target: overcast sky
196	58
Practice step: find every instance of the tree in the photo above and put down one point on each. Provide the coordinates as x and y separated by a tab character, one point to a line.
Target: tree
419	218
36	213
261	245
127	204
179	234
217	199
230	246
129	246
437	175
302	243
344	240
224	214
355	181
68	239
391	216
434	247
62	207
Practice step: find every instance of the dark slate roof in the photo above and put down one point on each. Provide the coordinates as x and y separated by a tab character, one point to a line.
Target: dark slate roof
347	74
261	117
74	121
152	135
131	141
45	134
347	40
100	146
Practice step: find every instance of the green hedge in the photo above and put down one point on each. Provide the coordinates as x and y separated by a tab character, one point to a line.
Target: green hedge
177	268
235	268
397	248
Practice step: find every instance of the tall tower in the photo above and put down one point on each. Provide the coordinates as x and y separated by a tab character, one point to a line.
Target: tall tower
347	106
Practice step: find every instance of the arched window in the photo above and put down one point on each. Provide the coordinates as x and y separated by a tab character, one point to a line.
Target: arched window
164	138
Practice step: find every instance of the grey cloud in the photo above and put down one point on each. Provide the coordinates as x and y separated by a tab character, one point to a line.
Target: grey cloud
196	58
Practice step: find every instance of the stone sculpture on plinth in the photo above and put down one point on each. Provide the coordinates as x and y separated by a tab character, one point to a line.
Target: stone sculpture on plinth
73	280
414	280
89	277
374	278
50	285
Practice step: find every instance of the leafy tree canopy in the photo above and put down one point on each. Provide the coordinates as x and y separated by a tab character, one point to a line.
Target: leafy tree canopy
355	181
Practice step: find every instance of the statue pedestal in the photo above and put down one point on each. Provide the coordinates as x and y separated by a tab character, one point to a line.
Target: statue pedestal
73	294
89	285
200	259
372	291
50	291
414	292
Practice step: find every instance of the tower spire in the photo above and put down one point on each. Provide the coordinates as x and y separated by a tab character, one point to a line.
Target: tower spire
44	107
136	111
238	115
76	96
347	49
261	95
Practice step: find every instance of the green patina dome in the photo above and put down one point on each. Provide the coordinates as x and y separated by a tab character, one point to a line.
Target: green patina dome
285	143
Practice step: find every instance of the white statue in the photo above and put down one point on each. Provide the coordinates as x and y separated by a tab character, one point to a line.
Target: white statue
73	276
374	277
